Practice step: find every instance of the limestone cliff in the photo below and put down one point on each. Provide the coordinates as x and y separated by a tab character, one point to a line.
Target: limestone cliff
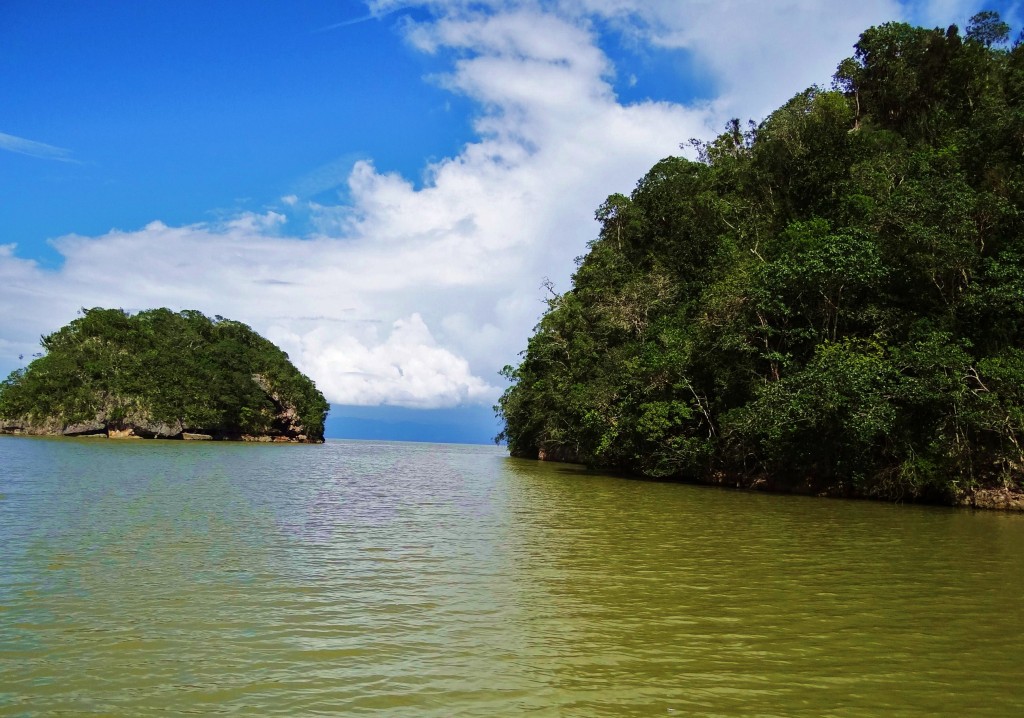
285	425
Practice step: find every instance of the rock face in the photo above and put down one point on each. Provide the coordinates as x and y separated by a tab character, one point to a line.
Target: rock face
85	429
285	426
562	454
1004	498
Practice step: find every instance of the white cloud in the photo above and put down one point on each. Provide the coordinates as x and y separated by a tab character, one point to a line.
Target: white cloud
759	54
942	13
416	297
407	368
32	148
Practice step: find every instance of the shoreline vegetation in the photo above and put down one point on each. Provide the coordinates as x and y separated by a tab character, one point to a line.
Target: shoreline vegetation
998	498
161	374
829	302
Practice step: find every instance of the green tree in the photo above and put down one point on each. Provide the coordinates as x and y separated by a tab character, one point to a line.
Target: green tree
831	298
158	366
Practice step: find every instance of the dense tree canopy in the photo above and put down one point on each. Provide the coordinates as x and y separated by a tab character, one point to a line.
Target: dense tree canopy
833	297
211	375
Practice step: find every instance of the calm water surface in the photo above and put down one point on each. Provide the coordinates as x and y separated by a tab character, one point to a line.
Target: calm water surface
389	579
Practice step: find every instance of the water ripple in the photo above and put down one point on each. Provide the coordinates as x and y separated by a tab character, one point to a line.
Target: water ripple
371	578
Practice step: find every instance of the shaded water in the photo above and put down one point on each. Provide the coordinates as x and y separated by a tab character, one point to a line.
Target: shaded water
146	578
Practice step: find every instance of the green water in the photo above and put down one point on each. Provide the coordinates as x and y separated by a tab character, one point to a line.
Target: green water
359	578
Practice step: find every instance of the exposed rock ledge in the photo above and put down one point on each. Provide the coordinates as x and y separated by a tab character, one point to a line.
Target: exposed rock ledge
140	428
1001	498
285	425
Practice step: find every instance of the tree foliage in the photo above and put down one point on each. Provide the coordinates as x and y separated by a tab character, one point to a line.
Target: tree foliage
833	296
210	375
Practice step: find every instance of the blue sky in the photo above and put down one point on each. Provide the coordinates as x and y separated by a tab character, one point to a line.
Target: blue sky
379	187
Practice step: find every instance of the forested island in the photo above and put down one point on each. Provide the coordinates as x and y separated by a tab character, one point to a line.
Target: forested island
161	374
830	301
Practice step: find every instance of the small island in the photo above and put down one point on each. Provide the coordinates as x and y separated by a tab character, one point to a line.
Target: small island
828	302
160	374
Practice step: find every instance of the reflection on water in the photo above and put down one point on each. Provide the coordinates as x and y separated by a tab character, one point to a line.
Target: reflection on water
431	580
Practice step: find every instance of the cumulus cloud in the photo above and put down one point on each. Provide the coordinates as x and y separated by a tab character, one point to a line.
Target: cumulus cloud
749	46
417	296
758	54
406	368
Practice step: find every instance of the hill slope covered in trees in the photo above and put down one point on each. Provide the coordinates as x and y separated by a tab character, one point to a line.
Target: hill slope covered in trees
830	301
162	374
